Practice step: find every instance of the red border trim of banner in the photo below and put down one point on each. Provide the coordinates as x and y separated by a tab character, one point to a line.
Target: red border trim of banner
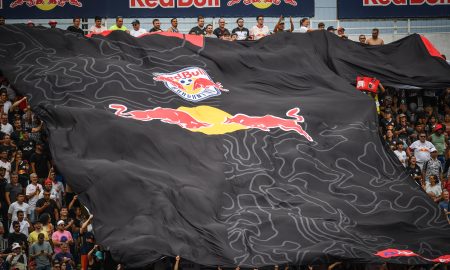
391	253
430	47
193	39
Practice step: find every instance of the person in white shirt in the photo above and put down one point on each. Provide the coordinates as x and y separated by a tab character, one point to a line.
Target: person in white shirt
21	205
401	154
32	191
137	30
304	25
4	99
422	149
6	127
5	164
259	30
433	189
98	28
24	224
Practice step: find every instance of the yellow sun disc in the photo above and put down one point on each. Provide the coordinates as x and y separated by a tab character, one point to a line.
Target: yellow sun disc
262	4
46	6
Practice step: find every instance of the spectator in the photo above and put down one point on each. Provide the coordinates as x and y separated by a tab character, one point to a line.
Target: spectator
402	130
401	154
220	31
199	29
259	30
421	149
97	28
64	257
439	140
17	259
60	236
137	30
156	26
226	36
362	39
6	127
320	26
30	23
47	205
341	33
26	145
2	20
57	191
433	189
40	164
331	29
96	257
13	189
3	202
52	23
233	37
33	237
19	204
304	25
87	243
279	27
23	223
76	26
32	191
445	203
375	40
41	251
119	25
173	26
209	31
5	164
17	236
240	30
432	167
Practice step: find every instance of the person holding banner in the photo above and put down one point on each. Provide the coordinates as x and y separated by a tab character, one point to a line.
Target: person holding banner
375	40
98	28
174	26
137	30
119	25
259	30
279	27
241	32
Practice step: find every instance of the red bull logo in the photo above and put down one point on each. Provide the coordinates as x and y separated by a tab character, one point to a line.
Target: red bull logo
45	4
192	84
261	4
213	121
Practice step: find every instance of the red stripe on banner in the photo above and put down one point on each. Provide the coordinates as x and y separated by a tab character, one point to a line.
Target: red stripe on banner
391	253
193	39
430	47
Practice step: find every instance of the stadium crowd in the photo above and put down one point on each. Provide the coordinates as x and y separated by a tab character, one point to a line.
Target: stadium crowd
44	226
240	32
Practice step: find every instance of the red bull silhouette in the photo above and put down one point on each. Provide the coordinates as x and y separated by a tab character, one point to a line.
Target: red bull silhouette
269	121
204	83
166	115
186	118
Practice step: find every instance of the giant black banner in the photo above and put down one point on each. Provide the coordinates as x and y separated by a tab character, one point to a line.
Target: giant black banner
229	153
382	9
31	9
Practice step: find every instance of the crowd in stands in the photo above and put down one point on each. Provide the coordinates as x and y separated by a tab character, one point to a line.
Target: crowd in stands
239	32
415	125
43	225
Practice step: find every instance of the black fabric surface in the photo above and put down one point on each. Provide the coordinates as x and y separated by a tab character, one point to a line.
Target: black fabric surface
251	197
